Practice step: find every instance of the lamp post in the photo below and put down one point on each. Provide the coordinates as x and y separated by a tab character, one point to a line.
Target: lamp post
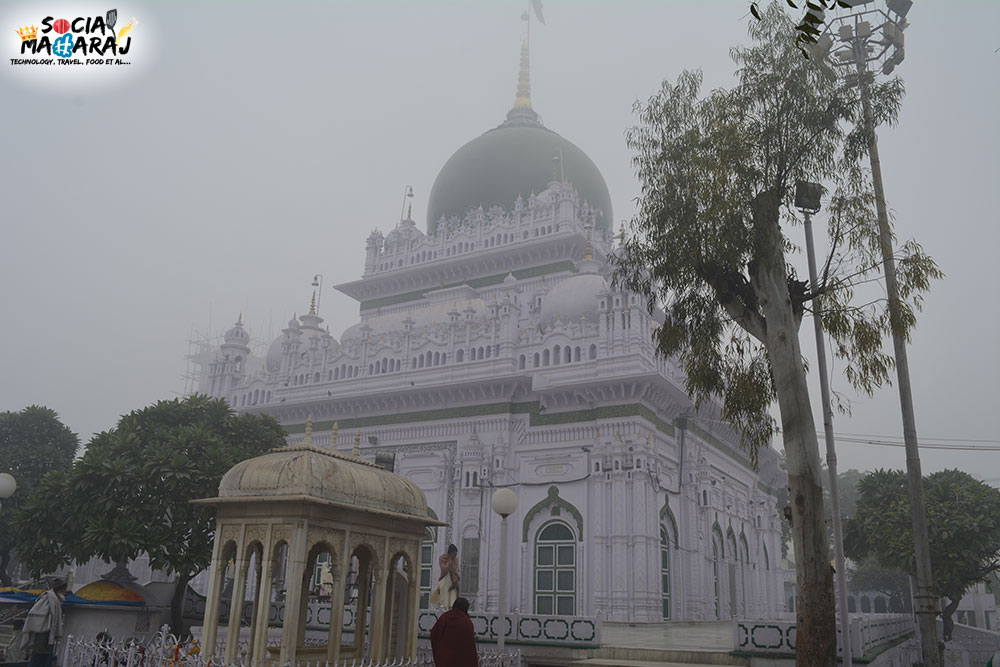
807	200
504	503
8	485
873	35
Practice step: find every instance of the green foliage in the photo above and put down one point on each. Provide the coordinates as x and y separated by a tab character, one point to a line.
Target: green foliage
130	491
963	516
33	442
718	173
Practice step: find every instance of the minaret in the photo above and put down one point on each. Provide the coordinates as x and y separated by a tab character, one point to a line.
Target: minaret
522	113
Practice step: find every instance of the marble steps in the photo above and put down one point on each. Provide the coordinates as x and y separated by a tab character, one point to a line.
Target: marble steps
616	656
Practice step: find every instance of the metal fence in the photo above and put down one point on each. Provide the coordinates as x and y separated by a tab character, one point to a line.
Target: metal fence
166	650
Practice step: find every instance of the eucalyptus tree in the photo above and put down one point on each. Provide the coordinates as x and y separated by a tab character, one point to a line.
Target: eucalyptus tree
710	245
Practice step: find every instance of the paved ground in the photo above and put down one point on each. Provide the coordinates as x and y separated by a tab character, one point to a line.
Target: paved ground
706	636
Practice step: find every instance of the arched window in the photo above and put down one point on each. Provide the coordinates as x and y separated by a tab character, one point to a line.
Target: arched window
576	353
460	356
567	354
665	572
481	354
555	356
437	358
385	364
593	352
545	358
535	359
520	362
555	570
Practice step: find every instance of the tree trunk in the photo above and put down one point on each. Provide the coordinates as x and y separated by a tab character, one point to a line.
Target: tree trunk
4	562
177	625
815	610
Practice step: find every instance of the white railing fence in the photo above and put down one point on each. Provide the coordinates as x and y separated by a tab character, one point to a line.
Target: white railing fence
777	636
167	650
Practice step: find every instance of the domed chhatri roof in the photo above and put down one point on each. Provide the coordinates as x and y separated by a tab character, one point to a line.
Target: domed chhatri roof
576	297
514	159
237	335
323	474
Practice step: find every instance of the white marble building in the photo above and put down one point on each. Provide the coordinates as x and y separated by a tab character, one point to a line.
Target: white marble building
492	350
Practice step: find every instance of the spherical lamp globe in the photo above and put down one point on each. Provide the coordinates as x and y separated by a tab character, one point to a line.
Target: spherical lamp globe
504	502
8	485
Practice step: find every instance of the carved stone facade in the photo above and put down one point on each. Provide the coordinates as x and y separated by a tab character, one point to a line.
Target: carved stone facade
495	350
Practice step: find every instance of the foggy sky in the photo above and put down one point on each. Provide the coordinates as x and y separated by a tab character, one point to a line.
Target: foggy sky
262	142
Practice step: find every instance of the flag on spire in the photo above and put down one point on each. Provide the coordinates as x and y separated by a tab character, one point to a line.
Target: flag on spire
537	6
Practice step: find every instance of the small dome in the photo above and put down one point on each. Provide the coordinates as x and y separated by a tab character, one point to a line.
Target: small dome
323	474
272	361
237	335
573	298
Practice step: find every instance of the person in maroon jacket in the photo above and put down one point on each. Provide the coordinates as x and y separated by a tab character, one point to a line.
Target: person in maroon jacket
453	639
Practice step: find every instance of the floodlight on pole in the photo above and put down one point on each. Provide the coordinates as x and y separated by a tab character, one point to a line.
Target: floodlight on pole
807	200
882	50
504	503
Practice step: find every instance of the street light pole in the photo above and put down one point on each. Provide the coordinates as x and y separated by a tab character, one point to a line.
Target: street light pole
504	503
854	29
807	198
926	602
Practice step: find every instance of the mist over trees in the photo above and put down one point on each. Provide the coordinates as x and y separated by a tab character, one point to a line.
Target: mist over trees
130	491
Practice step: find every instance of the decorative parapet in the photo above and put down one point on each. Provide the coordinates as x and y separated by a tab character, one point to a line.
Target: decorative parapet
483	229
870	634
568	631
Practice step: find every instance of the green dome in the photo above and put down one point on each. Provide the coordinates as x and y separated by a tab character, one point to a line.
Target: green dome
510	160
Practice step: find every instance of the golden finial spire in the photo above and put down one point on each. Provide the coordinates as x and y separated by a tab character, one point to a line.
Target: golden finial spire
334	434
589	252
308	440
312	304
356	452
523	97
239	321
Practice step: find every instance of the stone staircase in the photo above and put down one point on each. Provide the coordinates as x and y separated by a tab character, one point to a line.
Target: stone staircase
662	645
